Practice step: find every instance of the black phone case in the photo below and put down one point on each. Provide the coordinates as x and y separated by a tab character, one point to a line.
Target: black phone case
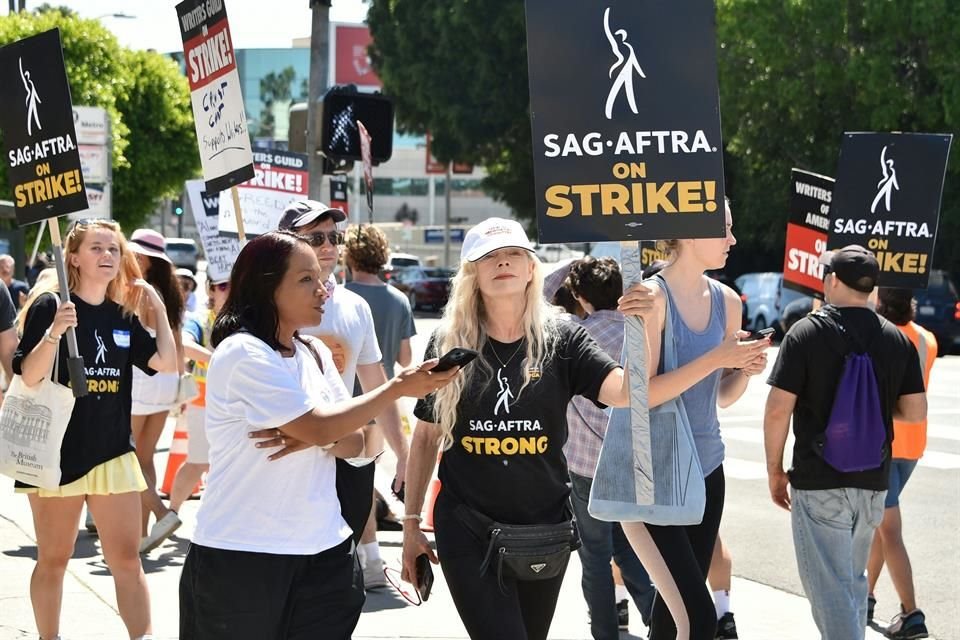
424	576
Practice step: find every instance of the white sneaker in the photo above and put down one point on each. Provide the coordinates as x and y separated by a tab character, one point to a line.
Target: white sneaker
373	577
161	530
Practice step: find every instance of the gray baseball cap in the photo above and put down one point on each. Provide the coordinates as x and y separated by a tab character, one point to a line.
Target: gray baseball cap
300	213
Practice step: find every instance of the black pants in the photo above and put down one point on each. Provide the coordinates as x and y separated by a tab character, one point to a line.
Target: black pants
240	595
521	611
687	552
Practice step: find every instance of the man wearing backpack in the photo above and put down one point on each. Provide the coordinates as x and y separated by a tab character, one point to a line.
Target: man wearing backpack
843	374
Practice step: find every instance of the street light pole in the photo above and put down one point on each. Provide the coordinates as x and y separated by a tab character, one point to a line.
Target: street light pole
319	65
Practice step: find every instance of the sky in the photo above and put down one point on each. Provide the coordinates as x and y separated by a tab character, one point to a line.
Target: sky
253	23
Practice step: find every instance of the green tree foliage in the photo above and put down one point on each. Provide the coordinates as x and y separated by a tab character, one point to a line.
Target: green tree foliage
459	70
147	99
793	76
162	150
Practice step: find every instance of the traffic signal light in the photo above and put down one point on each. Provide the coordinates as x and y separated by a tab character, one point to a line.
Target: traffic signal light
176	206
339	134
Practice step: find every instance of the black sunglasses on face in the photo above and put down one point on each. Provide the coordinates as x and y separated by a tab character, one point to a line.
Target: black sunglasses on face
320	238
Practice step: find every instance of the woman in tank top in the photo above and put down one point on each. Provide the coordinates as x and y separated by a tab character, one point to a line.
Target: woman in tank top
714	367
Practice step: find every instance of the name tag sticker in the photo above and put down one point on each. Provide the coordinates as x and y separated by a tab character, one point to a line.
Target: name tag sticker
121	338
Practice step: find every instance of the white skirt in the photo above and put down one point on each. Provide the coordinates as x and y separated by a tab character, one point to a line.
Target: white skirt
154	394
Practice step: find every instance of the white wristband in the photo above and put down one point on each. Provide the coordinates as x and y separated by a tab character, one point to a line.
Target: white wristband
410	516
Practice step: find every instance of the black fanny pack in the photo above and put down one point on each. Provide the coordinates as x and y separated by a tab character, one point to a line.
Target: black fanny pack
523	551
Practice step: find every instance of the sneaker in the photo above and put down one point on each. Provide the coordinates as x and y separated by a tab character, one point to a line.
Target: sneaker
871	607
623	615
90	525
161	530
727	627
373	576
907	626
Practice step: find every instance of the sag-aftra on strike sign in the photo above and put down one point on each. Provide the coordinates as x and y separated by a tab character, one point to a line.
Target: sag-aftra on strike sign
626	120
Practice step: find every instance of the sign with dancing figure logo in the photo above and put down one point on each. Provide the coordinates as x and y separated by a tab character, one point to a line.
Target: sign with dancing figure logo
887	198
626	120
40	142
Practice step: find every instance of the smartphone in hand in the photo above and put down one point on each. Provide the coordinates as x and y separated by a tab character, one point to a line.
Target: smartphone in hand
456	357
760	335
424	576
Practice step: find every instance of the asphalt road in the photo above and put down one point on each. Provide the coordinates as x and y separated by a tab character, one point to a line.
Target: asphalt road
758	533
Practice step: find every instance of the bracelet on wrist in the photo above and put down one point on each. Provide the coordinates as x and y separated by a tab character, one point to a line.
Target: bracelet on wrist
49	337
410	516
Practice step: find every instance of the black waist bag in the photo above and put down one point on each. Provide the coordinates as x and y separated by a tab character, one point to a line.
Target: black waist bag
523	551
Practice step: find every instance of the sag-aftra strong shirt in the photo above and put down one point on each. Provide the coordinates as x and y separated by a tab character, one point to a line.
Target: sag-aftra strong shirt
507	458
110	345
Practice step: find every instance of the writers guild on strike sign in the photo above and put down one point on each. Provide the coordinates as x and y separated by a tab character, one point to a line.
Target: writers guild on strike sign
807	228
40	144
635	153
219	116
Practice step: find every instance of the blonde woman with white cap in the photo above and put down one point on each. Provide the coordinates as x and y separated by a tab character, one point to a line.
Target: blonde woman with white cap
155	396
502	424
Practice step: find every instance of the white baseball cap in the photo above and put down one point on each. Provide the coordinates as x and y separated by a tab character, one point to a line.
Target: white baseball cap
493	234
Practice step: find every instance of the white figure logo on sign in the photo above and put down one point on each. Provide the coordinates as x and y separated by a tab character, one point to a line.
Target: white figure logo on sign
627	67
887	184
32	100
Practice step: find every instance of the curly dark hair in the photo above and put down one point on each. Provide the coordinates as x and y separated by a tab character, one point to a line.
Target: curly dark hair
161	275
597	281
367	248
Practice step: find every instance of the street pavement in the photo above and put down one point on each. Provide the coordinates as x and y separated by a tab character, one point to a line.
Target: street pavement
766	596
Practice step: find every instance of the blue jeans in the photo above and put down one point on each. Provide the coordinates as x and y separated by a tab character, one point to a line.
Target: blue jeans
832	532
602	541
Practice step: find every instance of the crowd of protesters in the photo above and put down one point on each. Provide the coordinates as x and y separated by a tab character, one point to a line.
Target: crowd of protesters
293	371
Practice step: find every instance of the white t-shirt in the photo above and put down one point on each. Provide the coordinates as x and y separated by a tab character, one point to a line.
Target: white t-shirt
348	331
286	506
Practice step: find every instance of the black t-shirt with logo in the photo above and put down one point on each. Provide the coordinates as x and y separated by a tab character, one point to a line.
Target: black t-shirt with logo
810	364
507	458
110	344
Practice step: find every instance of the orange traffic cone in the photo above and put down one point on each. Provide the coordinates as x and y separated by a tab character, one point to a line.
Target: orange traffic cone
176	458
433	490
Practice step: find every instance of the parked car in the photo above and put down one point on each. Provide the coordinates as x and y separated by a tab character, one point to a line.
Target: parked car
397	262
183	253
938	310
761	291
793	311
425	287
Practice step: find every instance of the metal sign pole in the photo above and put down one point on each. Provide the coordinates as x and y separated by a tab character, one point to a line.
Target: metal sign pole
78	378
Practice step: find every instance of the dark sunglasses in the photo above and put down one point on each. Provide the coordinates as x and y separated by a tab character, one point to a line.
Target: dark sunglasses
320	238
221	286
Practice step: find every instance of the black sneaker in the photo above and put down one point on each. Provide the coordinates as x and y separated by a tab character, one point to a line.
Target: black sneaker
871	606
623	615
907	626
727	627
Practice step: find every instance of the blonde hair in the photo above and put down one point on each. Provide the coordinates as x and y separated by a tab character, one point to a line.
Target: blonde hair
119	290
671	248
462	326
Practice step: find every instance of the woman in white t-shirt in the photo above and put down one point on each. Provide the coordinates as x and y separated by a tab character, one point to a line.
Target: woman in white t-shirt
271	556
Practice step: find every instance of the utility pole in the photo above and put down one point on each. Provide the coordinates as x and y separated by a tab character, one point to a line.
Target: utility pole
448	187
319	65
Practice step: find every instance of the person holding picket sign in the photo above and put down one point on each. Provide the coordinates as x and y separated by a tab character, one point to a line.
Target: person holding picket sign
272	556
502	426
714	364
98	463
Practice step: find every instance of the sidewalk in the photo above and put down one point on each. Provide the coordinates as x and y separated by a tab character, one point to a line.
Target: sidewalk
89	609
89	602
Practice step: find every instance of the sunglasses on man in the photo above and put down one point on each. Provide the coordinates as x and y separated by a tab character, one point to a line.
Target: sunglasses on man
320	238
